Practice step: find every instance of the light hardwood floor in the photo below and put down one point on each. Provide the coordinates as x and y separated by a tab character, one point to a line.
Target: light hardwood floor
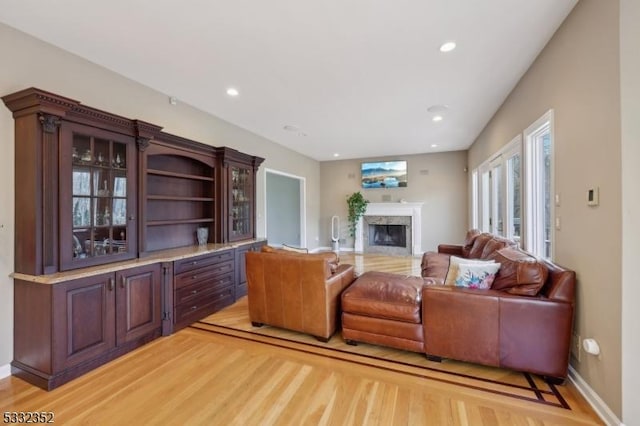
198	377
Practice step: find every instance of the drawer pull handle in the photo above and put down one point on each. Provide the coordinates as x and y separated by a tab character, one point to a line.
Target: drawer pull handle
193	277
193	308
194	291
195	262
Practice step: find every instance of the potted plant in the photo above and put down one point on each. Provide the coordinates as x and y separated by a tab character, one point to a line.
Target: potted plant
356	205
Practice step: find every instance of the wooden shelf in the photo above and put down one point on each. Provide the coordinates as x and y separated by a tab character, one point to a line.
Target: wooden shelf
179	175
178	222
178	198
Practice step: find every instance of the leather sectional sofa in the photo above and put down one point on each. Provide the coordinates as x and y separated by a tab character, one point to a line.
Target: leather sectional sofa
523	322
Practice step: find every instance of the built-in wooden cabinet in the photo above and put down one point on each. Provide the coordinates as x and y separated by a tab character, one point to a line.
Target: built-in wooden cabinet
238	194
177	194
81	323
241	266
203	285
96	194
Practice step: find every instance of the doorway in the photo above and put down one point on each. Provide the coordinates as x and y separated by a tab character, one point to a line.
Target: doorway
285	201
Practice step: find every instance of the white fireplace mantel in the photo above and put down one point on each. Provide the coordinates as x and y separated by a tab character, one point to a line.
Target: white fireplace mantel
414	210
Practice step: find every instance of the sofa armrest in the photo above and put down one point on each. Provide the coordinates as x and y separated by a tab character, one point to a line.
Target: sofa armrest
461	323
535	335
453	249
323	318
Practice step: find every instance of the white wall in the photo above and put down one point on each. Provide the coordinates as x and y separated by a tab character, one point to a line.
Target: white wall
28	62
630	118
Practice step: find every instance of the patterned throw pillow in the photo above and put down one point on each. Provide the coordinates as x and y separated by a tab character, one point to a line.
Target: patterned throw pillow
473	275
454	263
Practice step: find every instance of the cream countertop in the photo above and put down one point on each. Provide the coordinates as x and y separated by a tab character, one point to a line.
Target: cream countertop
169	255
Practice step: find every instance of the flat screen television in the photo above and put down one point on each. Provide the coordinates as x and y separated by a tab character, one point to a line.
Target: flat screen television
384	174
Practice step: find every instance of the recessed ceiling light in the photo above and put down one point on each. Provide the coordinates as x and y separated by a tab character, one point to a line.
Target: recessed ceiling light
335	154
294	129
231	91
434	145
448	46
437	108
437	118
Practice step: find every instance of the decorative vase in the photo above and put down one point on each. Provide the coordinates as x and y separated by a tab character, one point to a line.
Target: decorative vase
203	236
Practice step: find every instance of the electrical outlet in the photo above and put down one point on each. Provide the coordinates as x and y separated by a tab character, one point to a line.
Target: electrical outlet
576	346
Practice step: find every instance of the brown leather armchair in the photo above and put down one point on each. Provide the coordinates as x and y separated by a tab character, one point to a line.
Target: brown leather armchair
296	291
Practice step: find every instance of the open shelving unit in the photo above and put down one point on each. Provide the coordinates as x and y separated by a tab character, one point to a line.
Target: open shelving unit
179	197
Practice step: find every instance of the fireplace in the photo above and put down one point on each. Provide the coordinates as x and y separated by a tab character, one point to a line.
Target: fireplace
390	228
387	235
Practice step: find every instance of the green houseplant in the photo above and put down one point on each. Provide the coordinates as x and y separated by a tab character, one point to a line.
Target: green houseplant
356	205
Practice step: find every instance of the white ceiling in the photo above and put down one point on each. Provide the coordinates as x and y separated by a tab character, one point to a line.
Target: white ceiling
355	76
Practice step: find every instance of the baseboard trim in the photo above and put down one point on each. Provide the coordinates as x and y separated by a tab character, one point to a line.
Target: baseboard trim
598	405
5	371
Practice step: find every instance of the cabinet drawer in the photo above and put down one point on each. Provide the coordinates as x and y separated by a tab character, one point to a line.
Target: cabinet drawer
191	312
202	289
203	274
200	261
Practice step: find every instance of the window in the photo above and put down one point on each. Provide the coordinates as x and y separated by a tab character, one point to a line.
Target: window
474	199
539	186
515	190
499	197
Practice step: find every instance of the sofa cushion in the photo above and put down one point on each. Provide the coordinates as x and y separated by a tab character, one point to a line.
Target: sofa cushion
520	273
495	244
478	245
468	241
435	265
476	275
454	267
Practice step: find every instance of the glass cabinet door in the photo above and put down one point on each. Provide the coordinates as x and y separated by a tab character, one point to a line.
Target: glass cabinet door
241	226
100	201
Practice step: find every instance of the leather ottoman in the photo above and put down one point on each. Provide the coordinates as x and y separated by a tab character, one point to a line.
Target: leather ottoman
384	309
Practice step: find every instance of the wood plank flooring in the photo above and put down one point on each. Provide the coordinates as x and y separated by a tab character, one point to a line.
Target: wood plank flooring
197	377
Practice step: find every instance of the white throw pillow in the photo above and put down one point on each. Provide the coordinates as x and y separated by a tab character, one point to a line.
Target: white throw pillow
473	275
454	262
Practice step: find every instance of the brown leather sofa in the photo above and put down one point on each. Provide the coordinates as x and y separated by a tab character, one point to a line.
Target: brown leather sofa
296	291
524	322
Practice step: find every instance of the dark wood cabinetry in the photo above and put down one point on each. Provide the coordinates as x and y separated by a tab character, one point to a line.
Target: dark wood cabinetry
203	285
96	196
241	266
83	323
177	193
238	194
94	188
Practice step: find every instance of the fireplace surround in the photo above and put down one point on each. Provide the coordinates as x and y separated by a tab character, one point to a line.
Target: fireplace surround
406	217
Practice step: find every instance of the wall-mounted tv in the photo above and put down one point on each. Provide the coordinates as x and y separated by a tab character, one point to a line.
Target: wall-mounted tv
384	174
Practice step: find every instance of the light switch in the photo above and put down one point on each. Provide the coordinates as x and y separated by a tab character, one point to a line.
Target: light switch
557	200
558	222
